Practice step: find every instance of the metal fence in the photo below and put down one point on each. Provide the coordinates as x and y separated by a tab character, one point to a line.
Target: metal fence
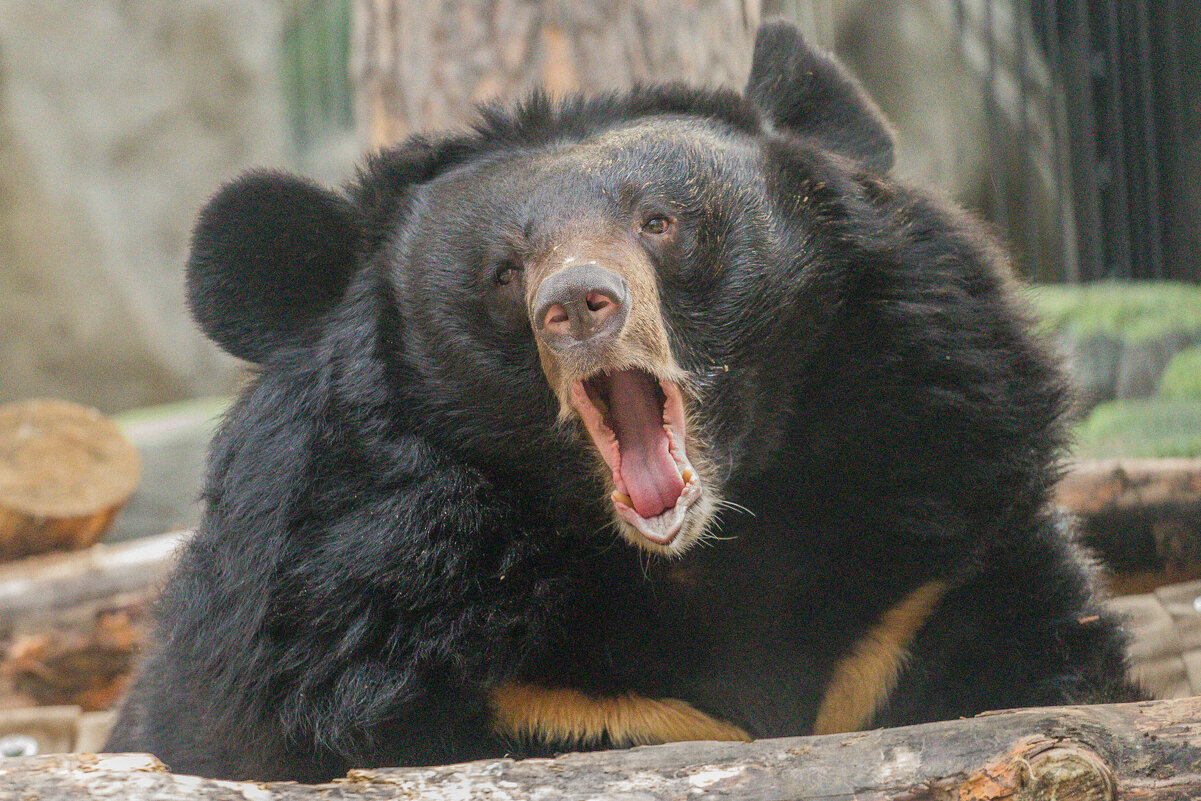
1093	109
1124	118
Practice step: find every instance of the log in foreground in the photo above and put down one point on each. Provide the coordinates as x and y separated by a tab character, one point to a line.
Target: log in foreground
1130	752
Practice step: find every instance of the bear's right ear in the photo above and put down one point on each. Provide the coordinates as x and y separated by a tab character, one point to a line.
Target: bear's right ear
271	253
800	89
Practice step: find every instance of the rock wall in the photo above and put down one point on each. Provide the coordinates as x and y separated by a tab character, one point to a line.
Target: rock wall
117	119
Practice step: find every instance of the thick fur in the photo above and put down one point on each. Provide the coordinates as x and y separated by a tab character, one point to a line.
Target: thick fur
399	531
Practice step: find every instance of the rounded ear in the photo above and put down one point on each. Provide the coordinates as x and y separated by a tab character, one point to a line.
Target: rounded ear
271	254
802	90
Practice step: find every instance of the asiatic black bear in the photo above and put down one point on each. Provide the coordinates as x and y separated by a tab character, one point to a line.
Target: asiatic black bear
654	416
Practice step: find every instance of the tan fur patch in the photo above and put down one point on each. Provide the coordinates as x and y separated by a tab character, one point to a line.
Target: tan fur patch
568	717
642	342
864	679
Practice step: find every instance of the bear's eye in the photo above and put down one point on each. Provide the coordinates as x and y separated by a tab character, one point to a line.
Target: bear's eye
507	272
657	225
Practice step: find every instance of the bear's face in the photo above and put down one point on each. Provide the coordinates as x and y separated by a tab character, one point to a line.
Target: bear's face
620	266
616	279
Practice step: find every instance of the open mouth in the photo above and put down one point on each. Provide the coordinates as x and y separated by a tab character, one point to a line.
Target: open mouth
637	422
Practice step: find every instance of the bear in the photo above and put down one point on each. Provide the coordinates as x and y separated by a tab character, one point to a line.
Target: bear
659	415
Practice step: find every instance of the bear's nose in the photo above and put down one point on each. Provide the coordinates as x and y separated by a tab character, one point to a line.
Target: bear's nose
579	304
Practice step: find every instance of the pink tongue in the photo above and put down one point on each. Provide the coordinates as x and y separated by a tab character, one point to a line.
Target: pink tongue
650	474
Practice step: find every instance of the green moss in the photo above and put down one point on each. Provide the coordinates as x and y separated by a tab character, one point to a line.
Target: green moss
1145	427
1128	310
1182	377
190	419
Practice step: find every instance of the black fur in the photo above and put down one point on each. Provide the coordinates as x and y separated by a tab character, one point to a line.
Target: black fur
395	522
294	246
809	94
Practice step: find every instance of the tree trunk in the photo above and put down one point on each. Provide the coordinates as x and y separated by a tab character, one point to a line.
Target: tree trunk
420	65
1098	753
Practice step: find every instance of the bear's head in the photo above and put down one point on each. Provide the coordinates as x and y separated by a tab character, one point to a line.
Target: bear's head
623	278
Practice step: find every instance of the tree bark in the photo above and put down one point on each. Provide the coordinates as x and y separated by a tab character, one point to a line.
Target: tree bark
1129	752
420	65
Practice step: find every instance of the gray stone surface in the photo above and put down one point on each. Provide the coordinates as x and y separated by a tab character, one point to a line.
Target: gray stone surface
172	442
1104	367
117	119
1143	362
1093	363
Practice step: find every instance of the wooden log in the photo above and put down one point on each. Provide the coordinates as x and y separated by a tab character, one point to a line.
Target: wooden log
65	472
72	625
84	660
1142	515
39	589
1126	752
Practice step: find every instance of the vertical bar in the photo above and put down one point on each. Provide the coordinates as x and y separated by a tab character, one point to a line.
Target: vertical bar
1120	259
1065	195
1078	91
996	167
1180	255
1153	235
1035	257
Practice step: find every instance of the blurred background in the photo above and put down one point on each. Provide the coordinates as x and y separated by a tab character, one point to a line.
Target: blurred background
1072	126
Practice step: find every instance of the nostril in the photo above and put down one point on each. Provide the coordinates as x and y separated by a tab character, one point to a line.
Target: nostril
556	315
579	303
596	301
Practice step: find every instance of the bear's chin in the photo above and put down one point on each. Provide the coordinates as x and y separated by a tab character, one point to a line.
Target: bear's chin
675	530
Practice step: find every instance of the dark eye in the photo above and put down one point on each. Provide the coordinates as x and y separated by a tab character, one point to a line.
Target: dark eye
658	225
507	273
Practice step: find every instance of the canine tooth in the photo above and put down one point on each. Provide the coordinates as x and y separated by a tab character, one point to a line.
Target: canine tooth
686	475
621	497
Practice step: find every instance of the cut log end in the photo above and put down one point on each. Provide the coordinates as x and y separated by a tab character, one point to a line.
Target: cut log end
1065	772
65	473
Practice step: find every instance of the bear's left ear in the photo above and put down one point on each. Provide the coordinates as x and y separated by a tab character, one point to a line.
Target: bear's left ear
800	89
271	254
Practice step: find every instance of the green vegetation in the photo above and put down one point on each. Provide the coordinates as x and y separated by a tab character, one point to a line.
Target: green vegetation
1130	311
315	69
1182	377
188	420
1145	427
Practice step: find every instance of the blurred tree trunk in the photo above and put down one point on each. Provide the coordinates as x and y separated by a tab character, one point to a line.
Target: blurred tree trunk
420	65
